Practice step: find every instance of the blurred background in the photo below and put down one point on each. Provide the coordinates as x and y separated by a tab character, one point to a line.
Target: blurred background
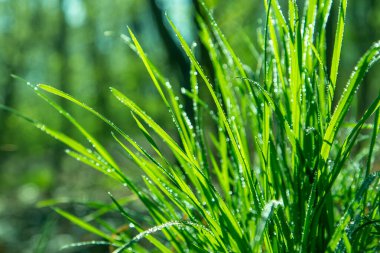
75	45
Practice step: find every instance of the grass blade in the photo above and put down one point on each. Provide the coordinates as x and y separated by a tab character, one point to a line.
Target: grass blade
369	58
84	225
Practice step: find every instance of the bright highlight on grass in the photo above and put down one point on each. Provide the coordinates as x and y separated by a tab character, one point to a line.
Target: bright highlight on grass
265	165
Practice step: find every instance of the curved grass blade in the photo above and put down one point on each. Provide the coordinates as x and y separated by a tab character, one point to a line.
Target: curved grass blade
365	63
337	47
262	223
96	164
147	64
347	147
70	98
166	138
161	227
227	49
87	244
375	131
153	240
84	225
243	160
354	205
18	114
102	151
82	153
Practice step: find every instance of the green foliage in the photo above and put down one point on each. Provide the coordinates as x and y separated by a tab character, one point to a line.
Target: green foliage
265	162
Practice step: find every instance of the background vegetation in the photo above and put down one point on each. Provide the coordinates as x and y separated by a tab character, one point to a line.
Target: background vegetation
75	45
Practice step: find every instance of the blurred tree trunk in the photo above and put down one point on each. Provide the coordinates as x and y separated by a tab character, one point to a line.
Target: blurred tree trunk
60	42
177	58
204	57
99	63
8	98
12	64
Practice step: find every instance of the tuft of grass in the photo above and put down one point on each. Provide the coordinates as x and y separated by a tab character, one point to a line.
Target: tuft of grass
278	173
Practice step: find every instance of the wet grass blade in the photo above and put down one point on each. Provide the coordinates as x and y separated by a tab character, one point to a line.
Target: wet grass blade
369	58
102	151
337	47
84	225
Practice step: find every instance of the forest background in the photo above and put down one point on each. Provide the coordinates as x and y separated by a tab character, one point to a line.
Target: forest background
76	46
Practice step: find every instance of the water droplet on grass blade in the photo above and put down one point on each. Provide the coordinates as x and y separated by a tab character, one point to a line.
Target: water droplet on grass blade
168	85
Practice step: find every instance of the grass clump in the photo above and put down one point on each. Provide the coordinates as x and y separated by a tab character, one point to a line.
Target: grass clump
265	165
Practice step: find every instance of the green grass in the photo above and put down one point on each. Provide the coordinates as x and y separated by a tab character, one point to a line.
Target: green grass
265	165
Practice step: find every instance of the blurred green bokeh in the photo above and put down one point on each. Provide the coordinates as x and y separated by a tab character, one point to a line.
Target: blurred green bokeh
75	45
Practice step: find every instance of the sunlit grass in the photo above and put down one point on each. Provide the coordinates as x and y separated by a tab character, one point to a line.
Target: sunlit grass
278	173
